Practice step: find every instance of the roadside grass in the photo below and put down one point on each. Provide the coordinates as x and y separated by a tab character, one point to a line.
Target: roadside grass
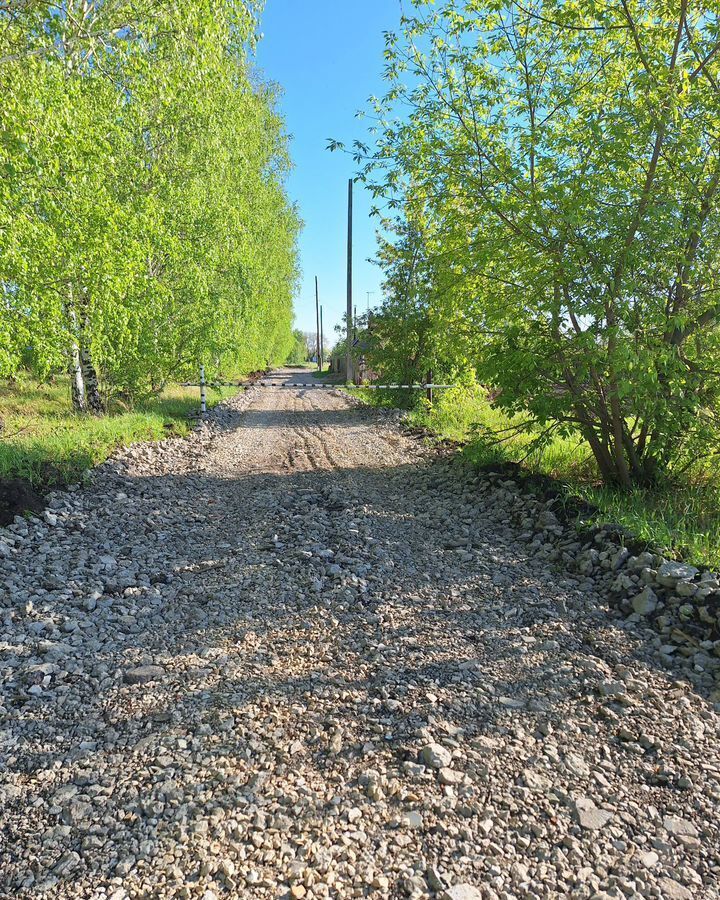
327	375
681	518
45	443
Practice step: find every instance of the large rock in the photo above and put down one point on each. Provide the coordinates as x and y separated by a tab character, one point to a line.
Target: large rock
680	827
645	602
589	816
411	819
670	573
143	674
462	892
77	813
436	756
673	890
449	776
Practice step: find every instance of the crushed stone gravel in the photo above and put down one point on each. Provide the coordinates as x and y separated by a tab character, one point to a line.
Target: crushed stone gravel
301	655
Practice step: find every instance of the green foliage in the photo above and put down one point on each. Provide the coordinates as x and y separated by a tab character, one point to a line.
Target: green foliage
47	444
465	414
144	225
554	169
298	354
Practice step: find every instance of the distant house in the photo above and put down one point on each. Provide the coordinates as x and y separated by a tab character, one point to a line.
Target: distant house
338	359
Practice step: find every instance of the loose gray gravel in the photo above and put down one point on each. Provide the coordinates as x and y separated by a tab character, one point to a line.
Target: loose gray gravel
300	655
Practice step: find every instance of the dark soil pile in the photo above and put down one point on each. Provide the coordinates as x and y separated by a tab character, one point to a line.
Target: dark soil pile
17	497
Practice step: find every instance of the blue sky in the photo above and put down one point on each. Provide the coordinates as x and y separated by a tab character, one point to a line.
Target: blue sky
327	56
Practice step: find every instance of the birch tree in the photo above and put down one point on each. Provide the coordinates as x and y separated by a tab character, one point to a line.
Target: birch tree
144	224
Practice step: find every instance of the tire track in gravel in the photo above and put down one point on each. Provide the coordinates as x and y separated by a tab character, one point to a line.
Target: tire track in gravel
316	436
308	404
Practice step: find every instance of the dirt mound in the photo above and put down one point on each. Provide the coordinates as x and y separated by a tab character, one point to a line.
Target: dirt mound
17	497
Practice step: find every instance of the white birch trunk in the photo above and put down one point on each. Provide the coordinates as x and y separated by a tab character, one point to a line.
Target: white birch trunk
77	382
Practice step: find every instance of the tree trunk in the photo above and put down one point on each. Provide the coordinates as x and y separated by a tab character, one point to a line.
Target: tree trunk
92	388
77	382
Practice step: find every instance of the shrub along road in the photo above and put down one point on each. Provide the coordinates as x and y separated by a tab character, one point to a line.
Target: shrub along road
297	655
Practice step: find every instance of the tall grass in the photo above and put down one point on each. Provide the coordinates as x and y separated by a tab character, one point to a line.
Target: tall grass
44	442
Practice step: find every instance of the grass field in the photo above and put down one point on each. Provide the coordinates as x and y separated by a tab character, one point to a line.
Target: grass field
682	518
42	441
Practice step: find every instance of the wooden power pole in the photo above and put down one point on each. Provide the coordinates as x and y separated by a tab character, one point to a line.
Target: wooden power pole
322	340
348	355
317	319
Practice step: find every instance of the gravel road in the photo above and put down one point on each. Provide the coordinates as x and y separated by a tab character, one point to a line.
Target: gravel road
299	655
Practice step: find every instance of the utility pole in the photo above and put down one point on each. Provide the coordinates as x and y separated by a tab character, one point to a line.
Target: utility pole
322	340
349	323
317	320
355	324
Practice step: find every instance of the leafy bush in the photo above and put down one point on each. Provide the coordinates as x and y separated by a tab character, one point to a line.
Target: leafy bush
555	170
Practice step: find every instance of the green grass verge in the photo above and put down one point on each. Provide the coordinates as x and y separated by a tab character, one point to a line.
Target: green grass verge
326	375
45	443
681	518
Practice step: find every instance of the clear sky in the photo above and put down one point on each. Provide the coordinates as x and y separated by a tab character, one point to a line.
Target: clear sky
328	57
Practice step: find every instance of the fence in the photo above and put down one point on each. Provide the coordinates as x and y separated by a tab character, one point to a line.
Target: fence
429	386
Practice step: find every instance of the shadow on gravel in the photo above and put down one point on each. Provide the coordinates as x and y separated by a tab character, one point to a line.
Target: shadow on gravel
284	419
224	533
491	643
